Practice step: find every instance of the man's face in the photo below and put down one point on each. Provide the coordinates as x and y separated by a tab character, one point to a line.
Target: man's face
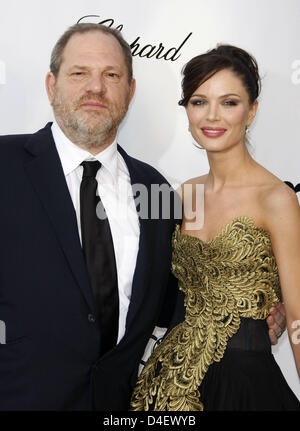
91	94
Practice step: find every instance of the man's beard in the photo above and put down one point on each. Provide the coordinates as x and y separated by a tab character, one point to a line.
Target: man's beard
89	129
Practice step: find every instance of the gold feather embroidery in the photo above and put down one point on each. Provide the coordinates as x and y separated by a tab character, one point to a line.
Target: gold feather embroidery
232	276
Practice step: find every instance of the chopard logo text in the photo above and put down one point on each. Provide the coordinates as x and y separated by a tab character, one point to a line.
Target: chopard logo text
157	51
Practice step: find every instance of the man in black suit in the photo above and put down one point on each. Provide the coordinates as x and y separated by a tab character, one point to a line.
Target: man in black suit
64	350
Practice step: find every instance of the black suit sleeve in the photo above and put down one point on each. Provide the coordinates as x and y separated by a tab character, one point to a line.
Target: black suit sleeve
173	307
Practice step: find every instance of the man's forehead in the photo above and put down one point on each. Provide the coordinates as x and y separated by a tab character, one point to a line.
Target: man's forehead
92	40
93	45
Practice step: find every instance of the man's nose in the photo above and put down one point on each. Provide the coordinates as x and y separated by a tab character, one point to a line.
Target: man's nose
96	83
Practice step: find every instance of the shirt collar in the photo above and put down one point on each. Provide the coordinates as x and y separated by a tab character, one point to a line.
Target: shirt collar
71	156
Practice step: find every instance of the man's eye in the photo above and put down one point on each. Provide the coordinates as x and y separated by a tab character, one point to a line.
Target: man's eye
112	75
77	73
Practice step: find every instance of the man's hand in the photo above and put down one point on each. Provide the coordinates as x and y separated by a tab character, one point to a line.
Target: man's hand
276	322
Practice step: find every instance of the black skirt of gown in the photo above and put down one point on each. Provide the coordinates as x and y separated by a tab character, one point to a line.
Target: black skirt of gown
248	377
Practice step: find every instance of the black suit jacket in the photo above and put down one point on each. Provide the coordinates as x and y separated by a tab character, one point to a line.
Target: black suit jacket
51	356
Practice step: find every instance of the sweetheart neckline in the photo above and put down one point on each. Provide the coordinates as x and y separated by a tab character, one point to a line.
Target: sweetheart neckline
224	229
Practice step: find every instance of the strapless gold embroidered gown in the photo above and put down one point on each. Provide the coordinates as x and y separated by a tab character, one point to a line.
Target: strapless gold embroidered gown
219	357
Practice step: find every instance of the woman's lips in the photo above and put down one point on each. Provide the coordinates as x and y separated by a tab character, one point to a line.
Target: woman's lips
213	132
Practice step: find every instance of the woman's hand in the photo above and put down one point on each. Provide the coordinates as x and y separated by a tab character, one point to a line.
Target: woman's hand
276	322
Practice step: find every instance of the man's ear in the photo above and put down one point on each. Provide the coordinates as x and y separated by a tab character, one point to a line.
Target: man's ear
132	89
50	85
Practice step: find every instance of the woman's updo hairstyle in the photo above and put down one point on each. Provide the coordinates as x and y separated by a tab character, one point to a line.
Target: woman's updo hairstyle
199	69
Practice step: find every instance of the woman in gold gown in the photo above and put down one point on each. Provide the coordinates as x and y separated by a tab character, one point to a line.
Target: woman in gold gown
234	265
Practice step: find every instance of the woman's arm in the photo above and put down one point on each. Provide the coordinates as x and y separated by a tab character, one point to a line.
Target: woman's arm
283	222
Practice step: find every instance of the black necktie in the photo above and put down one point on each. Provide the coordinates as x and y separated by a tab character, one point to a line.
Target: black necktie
100	257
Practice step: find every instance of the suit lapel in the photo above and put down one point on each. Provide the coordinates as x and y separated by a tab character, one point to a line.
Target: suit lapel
46	175
148	232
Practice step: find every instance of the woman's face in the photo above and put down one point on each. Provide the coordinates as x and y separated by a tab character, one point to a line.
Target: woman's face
219	111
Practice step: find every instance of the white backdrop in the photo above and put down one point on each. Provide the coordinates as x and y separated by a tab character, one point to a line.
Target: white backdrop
155	129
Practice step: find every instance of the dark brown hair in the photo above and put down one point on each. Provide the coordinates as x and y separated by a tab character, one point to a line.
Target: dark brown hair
57	52
199	69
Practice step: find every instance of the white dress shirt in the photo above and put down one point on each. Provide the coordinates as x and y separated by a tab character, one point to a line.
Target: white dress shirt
115	190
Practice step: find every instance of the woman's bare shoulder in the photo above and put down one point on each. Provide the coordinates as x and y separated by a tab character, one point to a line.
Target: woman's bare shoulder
279	195
191	183
274	193
280	204
196	180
